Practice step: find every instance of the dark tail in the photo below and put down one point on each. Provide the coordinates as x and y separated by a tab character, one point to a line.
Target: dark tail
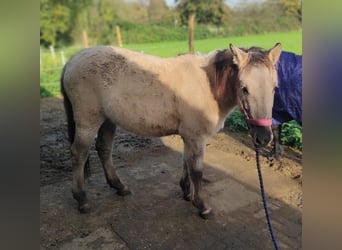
71	122
68	111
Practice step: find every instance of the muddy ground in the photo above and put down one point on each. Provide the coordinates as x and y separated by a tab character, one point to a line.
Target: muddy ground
155	216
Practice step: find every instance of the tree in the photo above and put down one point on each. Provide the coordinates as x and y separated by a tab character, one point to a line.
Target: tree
207	12
132	12
261	17
293	7
290	8
54	19
157	10
104	15
59	17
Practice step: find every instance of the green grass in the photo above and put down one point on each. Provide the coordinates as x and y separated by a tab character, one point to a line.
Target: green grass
291	41
51	68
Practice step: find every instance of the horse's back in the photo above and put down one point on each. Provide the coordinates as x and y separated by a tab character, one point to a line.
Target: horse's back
101	80
145	94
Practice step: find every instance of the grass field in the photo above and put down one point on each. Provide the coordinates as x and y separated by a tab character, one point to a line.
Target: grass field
291	41
50	70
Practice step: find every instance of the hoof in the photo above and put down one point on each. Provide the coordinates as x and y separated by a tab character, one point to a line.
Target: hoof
123	192
206	214
85	208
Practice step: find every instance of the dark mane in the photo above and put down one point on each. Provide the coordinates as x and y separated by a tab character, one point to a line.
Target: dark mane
222	74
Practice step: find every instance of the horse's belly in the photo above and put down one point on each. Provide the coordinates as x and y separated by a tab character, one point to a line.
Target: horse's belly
143	116
148	129
148	126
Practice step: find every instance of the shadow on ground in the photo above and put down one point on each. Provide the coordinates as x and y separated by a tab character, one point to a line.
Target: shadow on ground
155	216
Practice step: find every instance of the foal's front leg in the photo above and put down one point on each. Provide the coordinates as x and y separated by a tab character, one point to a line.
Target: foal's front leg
193	163
185	182
276	152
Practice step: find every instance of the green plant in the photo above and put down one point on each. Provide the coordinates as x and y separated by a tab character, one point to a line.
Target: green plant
236	121
291	134
49	82
44	92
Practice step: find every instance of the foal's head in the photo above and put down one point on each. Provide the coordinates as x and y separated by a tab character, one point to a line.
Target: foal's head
257	80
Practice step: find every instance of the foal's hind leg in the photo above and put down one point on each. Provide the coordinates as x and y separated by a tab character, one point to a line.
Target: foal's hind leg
193	160
104	147
84	137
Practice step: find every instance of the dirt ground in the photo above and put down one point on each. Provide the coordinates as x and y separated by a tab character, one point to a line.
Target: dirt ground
155	216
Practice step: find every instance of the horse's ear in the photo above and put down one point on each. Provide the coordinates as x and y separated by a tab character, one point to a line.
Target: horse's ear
240	57
274	53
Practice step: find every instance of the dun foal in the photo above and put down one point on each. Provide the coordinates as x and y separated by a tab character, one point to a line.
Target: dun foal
189	95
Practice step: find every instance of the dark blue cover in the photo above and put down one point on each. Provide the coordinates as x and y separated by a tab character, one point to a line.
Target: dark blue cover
288	96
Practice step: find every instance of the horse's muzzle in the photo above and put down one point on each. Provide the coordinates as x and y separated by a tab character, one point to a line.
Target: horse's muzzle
261	135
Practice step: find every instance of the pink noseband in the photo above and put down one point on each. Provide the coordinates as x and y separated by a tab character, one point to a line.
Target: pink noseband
256	122
260	122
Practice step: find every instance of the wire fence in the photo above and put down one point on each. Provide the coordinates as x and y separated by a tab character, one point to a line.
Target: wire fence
52	61
51	65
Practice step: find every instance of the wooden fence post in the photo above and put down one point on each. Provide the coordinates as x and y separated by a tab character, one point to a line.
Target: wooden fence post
85	39
191	24
63	57
53	54
118	36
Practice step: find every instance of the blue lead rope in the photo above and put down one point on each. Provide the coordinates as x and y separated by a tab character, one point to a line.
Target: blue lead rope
264	200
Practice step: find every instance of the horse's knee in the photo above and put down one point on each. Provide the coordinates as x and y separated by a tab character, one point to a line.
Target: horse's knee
79	150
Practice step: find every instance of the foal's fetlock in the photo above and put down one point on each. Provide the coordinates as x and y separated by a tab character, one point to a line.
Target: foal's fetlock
122	189
186	189
83	205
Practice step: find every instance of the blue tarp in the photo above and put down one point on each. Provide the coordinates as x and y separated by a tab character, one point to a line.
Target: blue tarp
288	96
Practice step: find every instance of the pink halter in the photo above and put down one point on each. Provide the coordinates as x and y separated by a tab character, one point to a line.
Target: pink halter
256	122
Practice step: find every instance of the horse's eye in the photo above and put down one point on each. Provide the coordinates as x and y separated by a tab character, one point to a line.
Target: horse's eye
245	90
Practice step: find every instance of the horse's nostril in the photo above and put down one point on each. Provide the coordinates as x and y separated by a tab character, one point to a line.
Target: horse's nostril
262	136
260	142
257	141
